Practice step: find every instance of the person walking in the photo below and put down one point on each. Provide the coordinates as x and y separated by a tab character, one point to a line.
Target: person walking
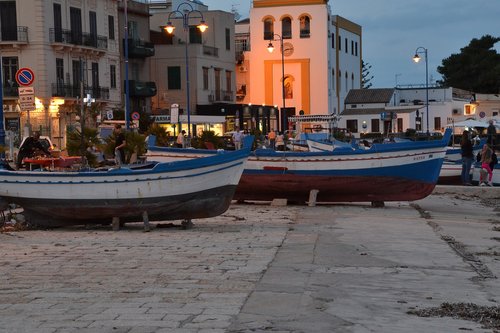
237	138
272	139
467	157
120	143
491	133
180	139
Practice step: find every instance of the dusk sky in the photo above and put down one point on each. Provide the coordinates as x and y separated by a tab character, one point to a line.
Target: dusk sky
393	29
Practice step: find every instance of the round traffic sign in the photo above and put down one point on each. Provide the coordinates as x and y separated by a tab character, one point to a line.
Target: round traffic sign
25	76
135	115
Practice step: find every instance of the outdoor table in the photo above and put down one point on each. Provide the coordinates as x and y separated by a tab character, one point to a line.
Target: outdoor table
53	162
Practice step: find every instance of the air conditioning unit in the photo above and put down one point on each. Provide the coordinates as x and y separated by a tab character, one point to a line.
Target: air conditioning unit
243	69
211	98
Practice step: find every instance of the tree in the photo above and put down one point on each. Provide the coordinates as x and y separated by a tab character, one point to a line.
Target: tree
476	68
365	75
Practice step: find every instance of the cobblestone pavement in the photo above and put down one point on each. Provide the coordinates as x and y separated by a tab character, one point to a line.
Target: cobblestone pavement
258	268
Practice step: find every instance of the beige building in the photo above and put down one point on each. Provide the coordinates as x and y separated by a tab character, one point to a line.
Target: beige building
71	46
204	61
319	63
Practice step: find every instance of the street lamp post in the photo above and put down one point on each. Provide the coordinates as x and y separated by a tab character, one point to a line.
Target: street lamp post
416	58
185	15
270	48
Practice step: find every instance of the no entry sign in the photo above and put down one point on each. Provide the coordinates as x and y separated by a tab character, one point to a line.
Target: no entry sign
25	77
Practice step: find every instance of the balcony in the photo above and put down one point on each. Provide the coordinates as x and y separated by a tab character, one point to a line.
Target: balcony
14	37
139	48
74	91
141	88
210	51
221	96
63	38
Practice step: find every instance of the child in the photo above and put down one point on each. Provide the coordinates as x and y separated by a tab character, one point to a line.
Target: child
485	164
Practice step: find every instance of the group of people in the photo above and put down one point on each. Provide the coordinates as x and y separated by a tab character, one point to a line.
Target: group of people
276	140
486	157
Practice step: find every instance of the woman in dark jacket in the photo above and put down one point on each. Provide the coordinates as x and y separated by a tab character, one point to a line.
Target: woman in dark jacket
467	157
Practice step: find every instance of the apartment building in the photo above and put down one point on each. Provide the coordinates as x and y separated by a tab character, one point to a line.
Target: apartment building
194	70
137	60
72	48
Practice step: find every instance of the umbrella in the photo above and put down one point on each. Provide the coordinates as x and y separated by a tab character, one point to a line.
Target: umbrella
469	123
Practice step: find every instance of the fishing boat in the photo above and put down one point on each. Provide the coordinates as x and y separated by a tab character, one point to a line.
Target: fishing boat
403	171
189	189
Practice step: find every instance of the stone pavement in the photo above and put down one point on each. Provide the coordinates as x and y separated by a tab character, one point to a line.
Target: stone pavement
259	268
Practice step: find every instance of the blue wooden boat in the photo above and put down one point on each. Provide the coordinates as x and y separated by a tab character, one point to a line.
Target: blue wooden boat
188	189
402	171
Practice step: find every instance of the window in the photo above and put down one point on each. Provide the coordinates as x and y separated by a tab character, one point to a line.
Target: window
57	23
205	78
437	123
286	28
95	80
174	78
59	71
305	27
111	27
346	51
418	123
10	65
346	82
375	125
8	21
77	73
268	29
133	30
340	43
400	125
352	125
352	47
93	28
229	81
352	80
75	15
112	76
333	40
194	34
334	77
340	81
356	49
228	39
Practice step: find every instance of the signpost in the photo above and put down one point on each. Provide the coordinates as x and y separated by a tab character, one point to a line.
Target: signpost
25	78
27	98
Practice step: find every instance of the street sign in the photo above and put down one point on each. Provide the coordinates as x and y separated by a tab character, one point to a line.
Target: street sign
26	98
135	115
25	77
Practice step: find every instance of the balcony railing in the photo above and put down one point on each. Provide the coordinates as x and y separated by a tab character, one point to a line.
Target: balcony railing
70	37
19	34
142	88
139	48
69	90
211	51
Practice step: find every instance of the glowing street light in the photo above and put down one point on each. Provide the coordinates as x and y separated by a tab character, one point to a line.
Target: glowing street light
416	58
184	12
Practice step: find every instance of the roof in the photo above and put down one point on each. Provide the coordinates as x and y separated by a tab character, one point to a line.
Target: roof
366	96
354	112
